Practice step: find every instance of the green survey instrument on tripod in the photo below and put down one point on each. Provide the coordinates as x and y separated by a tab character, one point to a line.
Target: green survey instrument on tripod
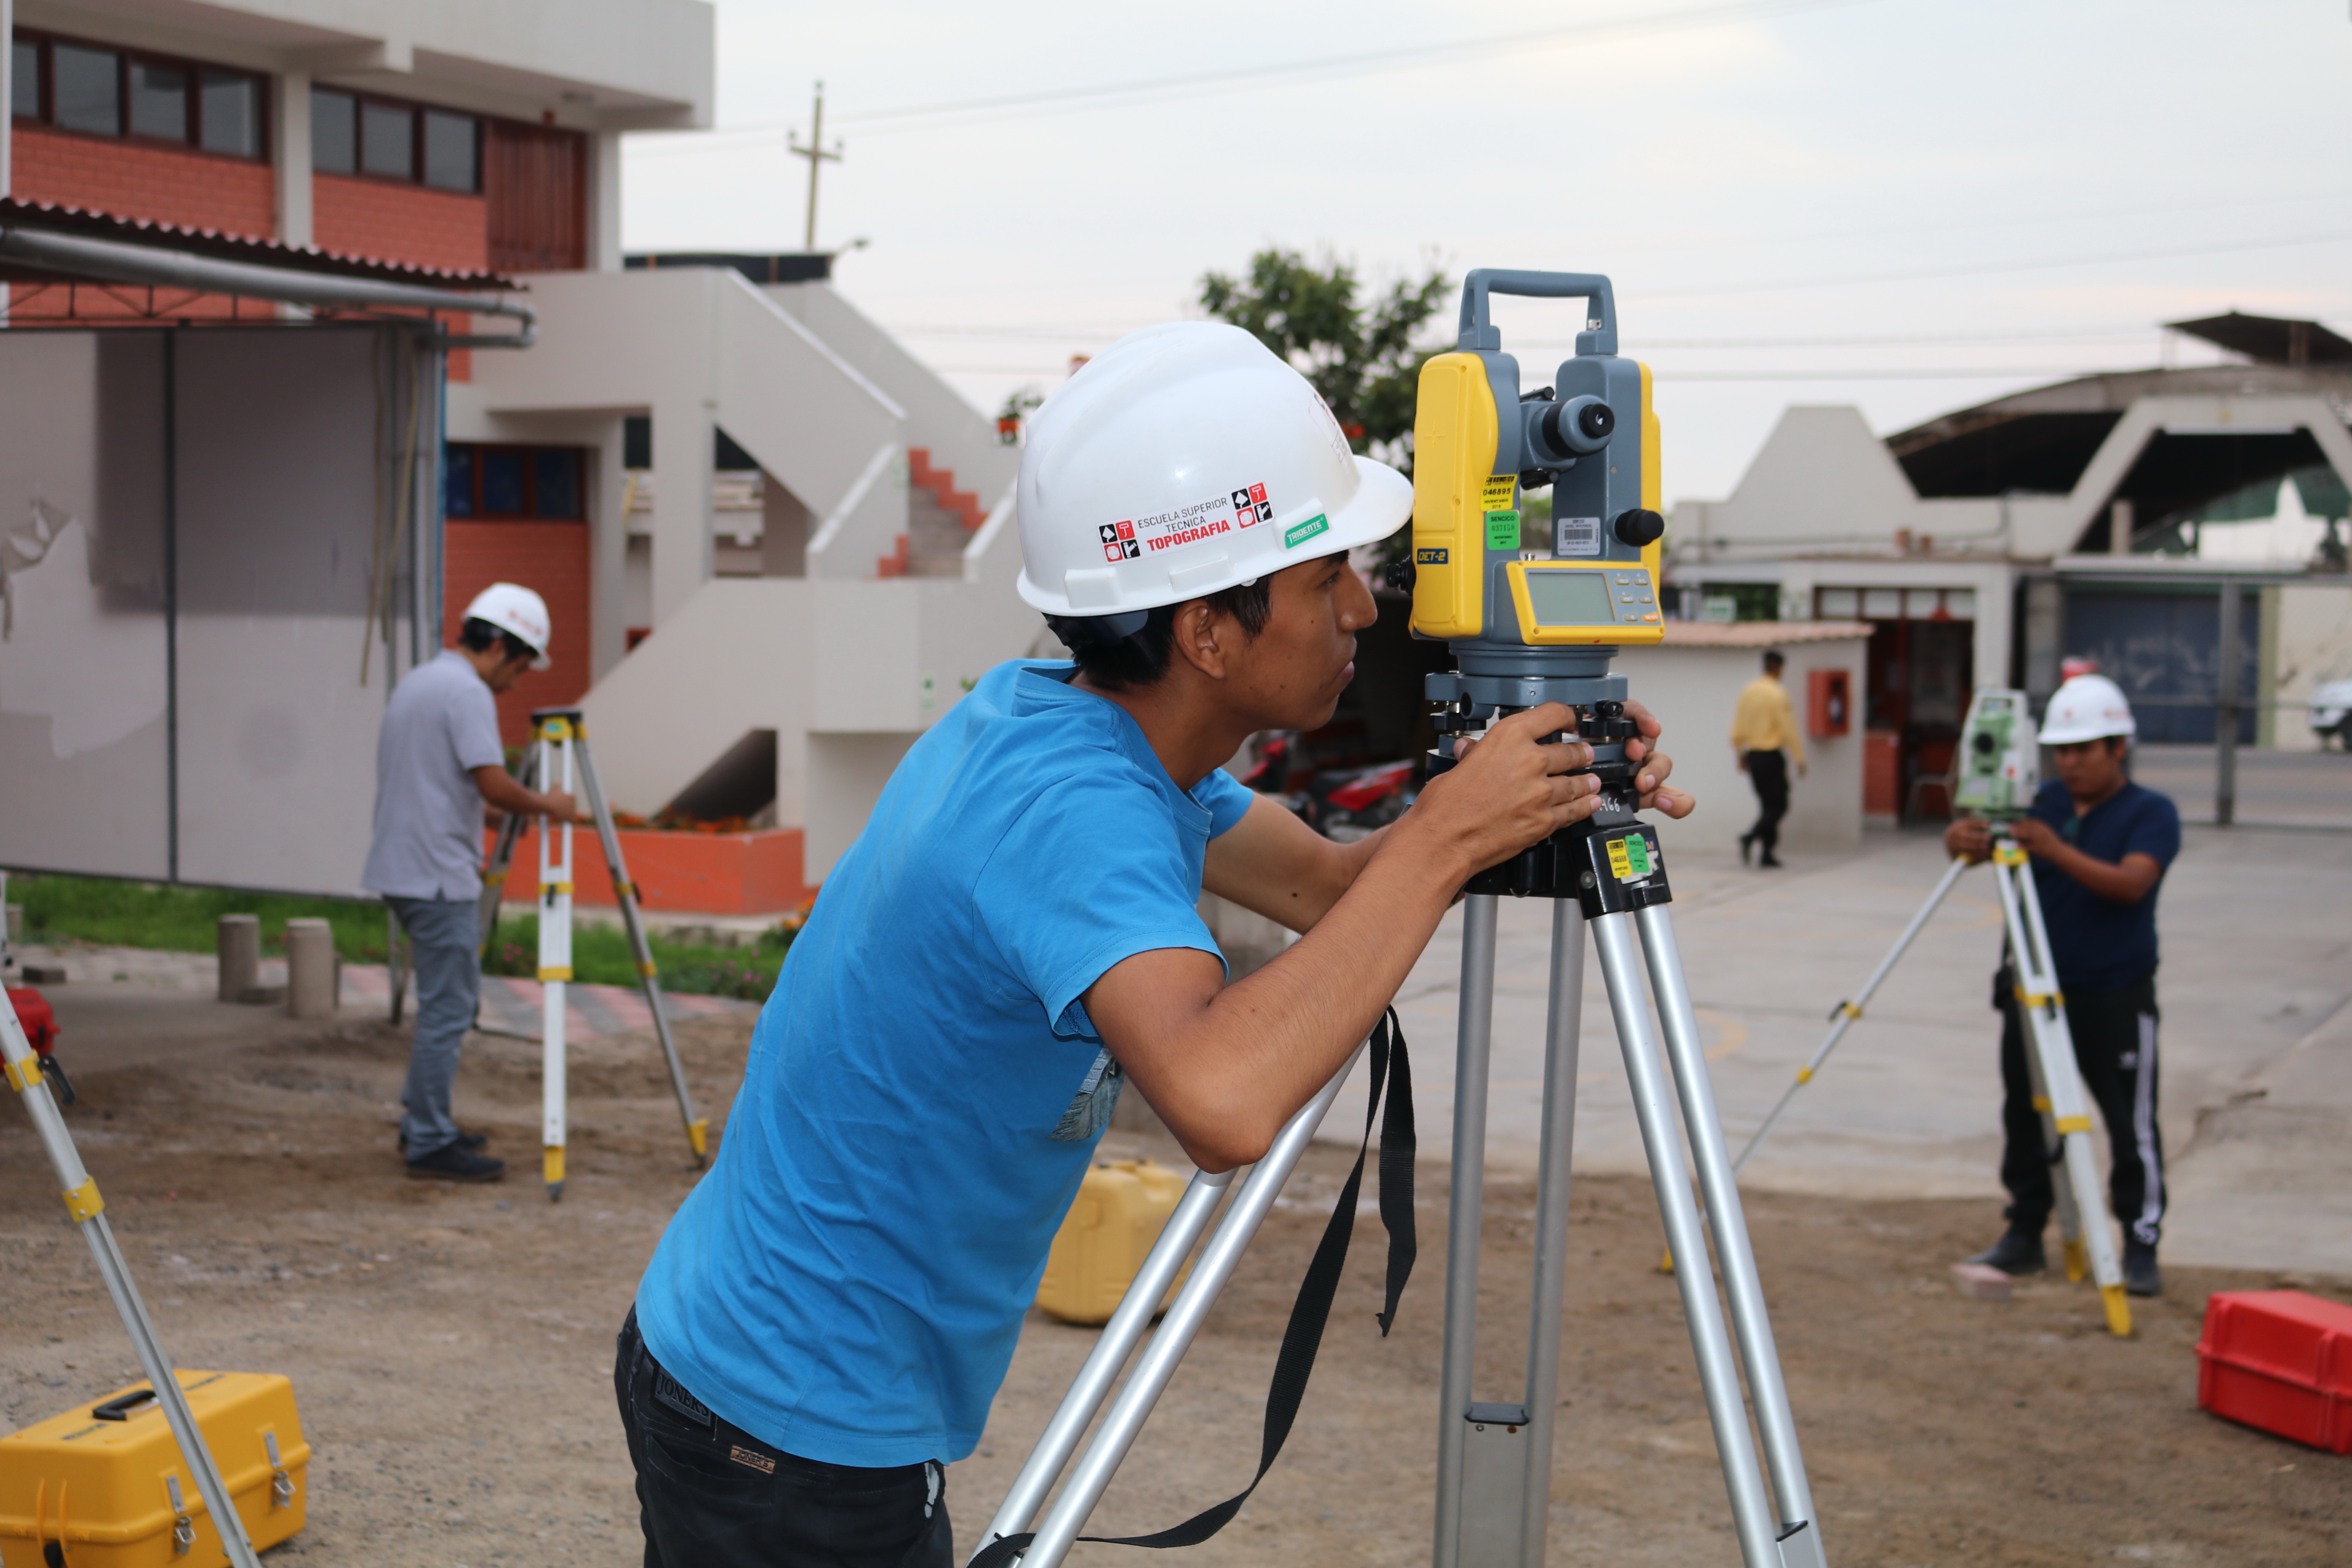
1999	768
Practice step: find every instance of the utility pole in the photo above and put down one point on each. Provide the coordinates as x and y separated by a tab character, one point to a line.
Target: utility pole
817	157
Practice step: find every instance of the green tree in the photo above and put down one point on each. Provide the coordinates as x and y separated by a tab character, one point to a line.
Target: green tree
1361	357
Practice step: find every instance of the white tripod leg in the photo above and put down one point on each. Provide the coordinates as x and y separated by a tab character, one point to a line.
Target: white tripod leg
2049	1046
89	1212
555	953
1751	1504
1845	1014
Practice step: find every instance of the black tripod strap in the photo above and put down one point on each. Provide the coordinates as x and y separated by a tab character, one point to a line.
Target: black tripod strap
1304	1335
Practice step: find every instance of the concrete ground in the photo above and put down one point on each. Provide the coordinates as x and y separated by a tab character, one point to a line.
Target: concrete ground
2302	789
2256	1045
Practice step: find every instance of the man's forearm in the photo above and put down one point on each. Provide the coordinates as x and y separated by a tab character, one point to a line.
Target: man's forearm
1260	1049
2122	884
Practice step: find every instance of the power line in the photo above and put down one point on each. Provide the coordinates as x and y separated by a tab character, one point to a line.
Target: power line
1158	90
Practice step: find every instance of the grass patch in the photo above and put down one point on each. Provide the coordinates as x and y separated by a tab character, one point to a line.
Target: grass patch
187	919
600	956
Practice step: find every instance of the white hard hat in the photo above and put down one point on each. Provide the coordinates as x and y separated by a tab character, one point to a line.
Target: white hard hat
1182	459
511	608
2087	707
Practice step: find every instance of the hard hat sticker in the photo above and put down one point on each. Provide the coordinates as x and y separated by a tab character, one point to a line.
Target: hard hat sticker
1171	530
1119	541
1298	533
1629	858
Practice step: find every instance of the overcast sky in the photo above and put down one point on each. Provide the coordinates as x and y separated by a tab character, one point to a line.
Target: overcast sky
1903	205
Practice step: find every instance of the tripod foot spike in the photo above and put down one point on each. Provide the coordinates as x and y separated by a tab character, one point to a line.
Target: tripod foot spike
2078	1262
697	1132
1666	1260
2119	1321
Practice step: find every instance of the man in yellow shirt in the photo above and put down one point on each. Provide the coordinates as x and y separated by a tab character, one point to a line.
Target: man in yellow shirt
1764	733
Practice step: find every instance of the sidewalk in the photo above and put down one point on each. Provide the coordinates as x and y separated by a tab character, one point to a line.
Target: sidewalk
2254	949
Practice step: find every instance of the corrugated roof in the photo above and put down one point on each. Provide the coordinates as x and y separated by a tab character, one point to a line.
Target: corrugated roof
250	249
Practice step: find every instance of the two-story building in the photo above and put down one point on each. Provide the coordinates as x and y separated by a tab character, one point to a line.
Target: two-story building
316	321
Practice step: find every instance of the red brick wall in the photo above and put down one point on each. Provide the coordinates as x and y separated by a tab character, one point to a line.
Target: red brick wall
551	560
400	223
131	179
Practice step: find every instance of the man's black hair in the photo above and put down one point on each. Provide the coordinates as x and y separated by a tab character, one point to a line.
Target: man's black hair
1115	659
478	635
1772	659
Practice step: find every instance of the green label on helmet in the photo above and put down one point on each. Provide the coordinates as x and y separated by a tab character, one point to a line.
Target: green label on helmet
1298	533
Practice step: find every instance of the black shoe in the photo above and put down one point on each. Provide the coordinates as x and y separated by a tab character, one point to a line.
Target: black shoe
2018	1251
455	1164
469	1142
1770	859
2141	1276
1747	847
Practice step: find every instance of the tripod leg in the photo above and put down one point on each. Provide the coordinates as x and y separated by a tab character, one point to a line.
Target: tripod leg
1158	1363
2052	1045
624	893
1464	1211
1742	1288
1751	1507
555	973
87	1209
1563	1025
1119	1337
1844	1014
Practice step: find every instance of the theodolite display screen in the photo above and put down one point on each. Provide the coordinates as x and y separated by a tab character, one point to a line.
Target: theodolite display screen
1570	598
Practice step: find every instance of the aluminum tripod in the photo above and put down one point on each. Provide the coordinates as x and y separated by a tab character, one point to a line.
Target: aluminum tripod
1494	1465
2058	1092
558	756
88	1212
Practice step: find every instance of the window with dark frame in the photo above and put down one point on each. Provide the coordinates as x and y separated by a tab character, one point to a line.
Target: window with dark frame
384	139
130	93
486	483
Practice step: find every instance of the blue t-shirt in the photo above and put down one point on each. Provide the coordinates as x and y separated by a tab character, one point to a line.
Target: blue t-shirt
925	1089
2096	944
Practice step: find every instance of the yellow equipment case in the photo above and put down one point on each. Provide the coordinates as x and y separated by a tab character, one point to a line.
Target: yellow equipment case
1121	1207
109	1483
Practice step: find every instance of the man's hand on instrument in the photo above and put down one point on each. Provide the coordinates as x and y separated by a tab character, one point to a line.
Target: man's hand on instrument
2035	837
1969	838
1505	789
1655	765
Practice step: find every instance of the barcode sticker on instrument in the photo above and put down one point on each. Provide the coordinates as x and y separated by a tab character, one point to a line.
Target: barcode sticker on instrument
1579	536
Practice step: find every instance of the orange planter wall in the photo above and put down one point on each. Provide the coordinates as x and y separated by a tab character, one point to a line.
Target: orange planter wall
696	873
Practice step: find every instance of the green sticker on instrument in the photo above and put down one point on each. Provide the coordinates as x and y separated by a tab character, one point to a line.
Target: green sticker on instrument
1502	531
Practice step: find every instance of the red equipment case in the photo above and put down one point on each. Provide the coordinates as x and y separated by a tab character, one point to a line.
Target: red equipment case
2280	1360
33	1010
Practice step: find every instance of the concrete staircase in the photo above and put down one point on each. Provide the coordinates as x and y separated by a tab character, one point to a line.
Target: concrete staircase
940	521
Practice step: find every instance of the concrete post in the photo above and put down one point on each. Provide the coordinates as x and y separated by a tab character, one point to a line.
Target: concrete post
2225	711
311	975
240	955
2119	528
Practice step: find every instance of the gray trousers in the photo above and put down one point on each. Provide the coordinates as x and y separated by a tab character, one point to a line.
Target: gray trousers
444	939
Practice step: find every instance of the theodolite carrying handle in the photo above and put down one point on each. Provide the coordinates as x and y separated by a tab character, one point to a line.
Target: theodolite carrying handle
1478	332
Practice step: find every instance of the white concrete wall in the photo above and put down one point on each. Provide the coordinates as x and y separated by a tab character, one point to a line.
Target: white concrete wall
2313	645
957	434
1692	690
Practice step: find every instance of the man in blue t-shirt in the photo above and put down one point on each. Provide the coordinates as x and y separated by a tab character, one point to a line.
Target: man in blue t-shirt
1013	937
2100	845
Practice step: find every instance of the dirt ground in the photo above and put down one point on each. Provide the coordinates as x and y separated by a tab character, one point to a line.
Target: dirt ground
451	1346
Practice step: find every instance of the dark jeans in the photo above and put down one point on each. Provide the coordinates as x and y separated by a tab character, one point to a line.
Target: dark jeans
444	942
1768	772
711	1495
2115	1046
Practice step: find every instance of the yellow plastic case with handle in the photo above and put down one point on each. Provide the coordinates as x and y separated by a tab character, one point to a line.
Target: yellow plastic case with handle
116	1493
1121	1207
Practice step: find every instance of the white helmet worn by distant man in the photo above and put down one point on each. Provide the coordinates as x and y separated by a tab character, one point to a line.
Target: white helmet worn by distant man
2087	707
516	610
1183	459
